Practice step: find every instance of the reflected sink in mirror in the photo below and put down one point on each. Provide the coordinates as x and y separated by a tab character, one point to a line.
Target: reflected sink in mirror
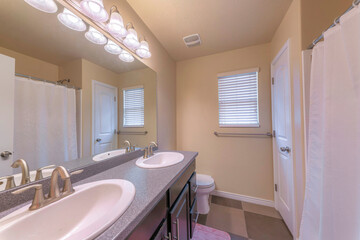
106	155
17	177
89	215
160	160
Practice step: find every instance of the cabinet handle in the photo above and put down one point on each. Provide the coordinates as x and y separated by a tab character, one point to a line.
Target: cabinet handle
177	229
168	236
195	188
197	217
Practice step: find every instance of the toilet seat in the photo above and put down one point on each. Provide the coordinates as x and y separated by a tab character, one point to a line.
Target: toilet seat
204	181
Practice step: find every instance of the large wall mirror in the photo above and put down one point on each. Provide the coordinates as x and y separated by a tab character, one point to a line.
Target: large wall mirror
67	99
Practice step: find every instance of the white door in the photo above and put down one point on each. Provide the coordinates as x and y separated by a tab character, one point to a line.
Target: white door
7	88
104	117
282	144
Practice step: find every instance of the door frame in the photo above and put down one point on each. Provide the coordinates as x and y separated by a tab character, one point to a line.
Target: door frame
94	83
286	47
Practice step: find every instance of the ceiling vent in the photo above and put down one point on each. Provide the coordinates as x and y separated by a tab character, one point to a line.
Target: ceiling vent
192	40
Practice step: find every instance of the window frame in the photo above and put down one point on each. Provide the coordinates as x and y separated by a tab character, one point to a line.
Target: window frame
123	106
237	72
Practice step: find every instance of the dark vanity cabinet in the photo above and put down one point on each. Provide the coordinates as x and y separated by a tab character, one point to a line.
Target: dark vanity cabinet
175	215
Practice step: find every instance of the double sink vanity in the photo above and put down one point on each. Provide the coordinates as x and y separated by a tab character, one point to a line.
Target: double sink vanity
122	196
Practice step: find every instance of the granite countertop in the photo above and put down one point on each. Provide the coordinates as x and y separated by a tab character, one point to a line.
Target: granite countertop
150	185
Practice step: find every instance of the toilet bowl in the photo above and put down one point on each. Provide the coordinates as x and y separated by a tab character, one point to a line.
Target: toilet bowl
205	185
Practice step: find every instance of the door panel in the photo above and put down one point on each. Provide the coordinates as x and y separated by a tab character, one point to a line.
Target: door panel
179	216
105	117
283	138
7	88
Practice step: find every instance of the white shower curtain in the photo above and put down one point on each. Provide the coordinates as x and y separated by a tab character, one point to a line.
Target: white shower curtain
332	195
45	123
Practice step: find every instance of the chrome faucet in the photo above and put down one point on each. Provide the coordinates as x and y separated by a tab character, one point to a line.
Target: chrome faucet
54	185
129	147
54	195
148	151
150	147
25	176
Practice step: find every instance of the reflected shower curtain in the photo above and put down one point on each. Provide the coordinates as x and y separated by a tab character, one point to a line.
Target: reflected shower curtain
45	123
332	195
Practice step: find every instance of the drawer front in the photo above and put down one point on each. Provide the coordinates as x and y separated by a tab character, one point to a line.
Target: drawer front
180	183
193	188
194	215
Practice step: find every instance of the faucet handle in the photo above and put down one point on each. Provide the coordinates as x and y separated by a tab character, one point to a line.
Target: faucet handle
39	174
38	200
10	183
77	172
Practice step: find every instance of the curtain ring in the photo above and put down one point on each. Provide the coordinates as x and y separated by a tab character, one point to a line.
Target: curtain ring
354	3
336	21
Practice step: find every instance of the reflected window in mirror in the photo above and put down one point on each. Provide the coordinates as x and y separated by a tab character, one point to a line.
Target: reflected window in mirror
133	107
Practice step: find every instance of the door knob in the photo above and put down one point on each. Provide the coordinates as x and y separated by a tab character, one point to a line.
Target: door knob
5	154
98	140
285	149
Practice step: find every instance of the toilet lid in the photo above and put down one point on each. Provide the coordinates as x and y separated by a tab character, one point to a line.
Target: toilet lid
204	181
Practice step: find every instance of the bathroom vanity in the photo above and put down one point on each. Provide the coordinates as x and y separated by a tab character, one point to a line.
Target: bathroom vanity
164	203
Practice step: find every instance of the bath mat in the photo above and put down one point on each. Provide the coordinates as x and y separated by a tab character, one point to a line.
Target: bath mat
207	233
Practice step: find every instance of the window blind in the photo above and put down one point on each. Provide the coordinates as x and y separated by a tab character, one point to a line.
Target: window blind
133	108
238	100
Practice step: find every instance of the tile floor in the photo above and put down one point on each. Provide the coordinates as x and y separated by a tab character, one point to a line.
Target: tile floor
245	221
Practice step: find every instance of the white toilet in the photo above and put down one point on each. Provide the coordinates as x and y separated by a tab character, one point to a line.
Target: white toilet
205	185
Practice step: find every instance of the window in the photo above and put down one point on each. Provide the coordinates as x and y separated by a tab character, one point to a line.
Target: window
133	108
238	99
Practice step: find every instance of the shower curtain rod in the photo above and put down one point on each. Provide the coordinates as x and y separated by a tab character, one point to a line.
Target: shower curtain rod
47	81
336	21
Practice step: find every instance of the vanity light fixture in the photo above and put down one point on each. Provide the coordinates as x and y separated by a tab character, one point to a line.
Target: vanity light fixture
71	21
95	36
112	47
143	51
95	10
115	26
48	6
131	40
126	56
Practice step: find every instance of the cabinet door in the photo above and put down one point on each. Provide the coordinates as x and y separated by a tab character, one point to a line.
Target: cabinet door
179	216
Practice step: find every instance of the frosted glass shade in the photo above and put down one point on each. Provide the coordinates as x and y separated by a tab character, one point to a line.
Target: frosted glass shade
95	10
126	56
71	21
143	51
131	39
95	36
48	6
116	25
112	47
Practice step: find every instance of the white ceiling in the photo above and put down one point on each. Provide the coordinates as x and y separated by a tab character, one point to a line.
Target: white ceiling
222	24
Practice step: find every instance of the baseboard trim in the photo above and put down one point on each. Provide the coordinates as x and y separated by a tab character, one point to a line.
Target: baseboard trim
244	198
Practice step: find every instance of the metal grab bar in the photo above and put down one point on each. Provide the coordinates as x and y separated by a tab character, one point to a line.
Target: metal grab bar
218	134
132	133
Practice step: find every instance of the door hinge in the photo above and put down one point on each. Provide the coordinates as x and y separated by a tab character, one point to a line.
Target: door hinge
276	188
272	81
274	133
114	99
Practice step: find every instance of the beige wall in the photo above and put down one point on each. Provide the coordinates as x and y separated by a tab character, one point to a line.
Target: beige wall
32	66
146	78
290	29
72	70
164	66
238	165
318	15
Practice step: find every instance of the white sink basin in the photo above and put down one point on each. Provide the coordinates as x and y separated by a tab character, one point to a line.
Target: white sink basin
82	215
17	177
160	160
106	155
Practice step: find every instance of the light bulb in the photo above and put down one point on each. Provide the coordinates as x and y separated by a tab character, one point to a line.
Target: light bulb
143	51
71	21
48	6
131	39
95	36
95	10
112	47
126	56
116	25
